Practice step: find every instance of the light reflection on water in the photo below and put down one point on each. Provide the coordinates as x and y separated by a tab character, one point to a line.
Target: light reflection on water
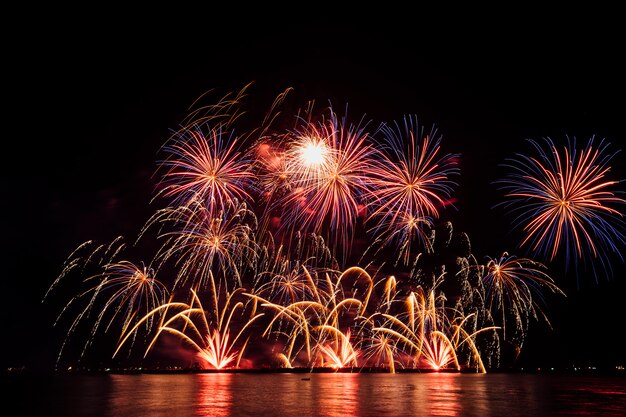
317	394
214	396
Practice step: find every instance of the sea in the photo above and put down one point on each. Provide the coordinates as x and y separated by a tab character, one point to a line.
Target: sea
314	394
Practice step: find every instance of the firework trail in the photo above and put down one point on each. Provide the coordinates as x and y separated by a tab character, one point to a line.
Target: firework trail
565	201
204	238
327	162
411	181
208	332
118	295
339	352
314	326
421	334
206	165
514	288
266	220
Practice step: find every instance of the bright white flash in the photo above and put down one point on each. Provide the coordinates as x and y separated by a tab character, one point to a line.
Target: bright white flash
314	152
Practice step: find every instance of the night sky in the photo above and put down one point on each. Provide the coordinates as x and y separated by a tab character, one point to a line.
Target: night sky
88	103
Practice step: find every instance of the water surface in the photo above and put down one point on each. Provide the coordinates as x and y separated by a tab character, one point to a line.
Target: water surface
324	394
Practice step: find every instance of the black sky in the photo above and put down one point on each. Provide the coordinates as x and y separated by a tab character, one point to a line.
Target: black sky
89	101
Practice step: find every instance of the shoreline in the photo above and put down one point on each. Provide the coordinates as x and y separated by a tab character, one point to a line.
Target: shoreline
616	371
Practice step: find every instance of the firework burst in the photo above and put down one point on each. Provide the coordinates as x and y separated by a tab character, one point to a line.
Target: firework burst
208	332
566	202
411	182
207	239
117	295
205	166
429	335
517	283
328	162
267	220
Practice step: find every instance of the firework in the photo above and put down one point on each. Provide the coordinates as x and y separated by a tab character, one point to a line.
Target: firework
208	332
308	325
429	335
205	166
566	202
411	182
380	351
514	288
267	220
117	295
205	238
328	162
274	175
133	289
204	159
339	352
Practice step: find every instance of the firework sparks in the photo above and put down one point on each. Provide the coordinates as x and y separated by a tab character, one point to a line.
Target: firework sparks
206	331
514	288
329	162
340	353
267	220
206	166
566	201
206	238
411	183
424	331
380	350
117	295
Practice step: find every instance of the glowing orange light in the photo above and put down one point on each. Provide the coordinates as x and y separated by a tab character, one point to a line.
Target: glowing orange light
314	152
